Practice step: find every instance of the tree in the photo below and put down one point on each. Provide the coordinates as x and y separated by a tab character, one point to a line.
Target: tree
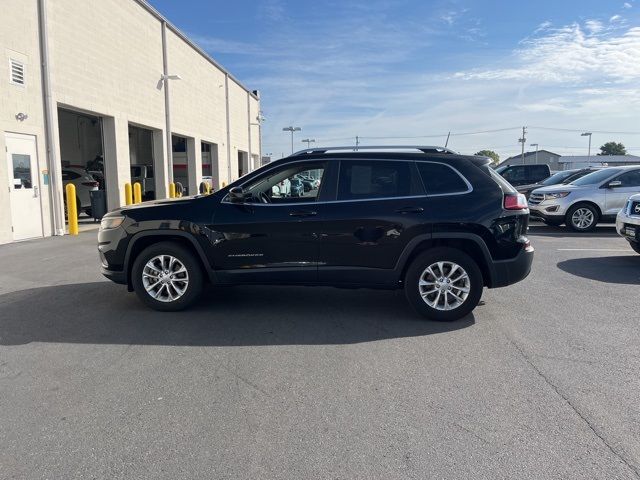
491	154
613	148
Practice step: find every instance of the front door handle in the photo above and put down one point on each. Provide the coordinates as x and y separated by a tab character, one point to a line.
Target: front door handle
410	210
302	213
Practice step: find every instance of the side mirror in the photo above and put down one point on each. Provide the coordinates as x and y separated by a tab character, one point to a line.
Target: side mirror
236	195
614	184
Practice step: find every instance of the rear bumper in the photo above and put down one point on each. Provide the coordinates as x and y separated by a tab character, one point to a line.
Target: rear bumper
508	272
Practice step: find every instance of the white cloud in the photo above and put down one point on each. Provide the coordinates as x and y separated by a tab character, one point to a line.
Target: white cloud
567	54
594	26
626	5
615	18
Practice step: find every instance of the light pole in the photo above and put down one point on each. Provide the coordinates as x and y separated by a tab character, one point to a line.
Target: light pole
291	129
535	145
309	141
587	134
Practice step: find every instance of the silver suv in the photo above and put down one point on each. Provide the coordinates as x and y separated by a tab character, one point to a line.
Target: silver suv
597	197
628	222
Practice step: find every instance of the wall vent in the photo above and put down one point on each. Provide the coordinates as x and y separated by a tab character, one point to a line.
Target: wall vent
17	72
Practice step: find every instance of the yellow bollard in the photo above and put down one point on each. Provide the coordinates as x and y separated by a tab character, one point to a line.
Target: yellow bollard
224	184
72	209
172	190
137	193
208	188
128	200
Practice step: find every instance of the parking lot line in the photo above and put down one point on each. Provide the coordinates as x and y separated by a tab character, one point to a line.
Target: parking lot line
594	250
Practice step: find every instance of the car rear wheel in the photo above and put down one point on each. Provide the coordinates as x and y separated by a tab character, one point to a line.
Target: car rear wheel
167	277
443	284
582	218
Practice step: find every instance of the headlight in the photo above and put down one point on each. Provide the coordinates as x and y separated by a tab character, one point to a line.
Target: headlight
108	223
551	196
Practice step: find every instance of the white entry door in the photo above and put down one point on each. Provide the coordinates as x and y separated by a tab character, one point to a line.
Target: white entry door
24	189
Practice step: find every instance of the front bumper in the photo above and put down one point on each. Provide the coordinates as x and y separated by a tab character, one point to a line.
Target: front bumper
508	272
115	276
623	222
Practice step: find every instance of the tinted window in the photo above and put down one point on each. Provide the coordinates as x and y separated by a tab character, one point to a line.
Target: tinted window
374	179
440	179
537	172
596	177
629	179
559	177
514	174
69	175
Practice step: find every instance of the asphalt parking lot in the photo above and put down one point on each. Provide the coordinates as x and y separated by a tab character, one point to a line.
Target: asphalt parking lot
299	383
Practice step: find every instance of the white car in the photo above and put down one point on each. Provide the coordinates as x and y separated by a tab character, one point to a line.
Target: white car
628	222
84	183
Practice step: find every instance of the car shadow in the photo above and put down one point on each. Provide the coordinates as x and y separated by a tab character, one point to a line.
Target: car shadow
543	230
105	313
622	269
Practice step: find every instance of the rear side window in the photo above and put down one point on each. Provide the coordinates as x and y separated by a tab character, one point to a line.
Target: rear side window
496	177
440	179
362	179
537	172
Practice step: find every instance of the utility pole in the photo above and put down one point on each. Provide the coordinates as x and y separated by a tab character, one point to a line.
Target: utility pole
357	142
535	145
447	142
522	141
291	129
309	141
587	134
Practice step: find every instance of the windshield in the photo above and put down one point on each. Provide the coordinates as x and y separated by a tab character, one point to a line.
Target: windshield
558	178
596	177
502	168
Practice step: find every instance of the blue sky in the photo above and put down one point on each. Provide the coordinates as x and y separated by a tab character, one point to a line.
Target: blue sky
418	69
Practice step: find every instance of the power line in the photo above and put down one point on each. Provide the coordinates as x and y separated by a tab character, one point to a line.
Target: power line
605	132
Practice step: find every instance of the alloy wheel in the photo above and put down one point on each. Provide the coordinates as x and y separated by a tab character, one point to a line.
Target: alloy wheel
582	218
444	285
165	278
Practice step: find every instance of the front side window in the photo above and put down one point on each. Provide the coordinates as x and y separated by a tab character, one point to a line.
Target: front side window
364	179
440	179
290	184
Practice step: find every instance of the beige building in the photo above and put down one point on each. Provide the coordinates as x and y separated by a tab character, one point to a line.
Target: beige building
110	87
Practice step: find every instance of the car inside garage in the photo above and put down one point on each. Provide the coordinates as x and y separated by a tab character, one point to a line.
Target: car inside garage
141	154
82	156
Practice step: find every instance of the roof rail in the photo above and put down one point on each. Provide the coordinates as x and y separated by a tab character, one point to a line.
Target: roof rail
421	148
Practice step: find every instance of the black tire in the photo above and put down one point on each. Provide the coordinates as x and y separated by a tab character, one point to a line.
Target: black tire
430	257
635	246
568	220
190	263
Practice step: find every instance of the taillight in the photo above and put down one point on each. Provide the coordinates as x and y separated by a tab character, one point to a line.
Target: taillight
515	201
90	184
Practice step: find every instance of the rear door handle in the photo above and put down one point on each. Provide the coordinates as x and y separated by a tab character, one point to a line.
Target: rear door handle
302	213
410	210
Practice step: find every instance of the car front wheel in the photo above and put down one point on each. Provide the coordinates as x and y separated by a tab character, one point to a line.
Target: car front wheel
167	277
582	218
443	284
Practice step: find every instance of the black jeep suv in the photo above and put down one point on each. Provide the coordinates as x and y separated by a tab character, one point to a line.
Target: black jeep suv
440	225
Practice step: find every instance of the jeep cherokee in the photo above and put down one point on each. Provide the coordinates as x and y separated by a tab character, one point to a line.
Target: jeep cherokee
439	225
